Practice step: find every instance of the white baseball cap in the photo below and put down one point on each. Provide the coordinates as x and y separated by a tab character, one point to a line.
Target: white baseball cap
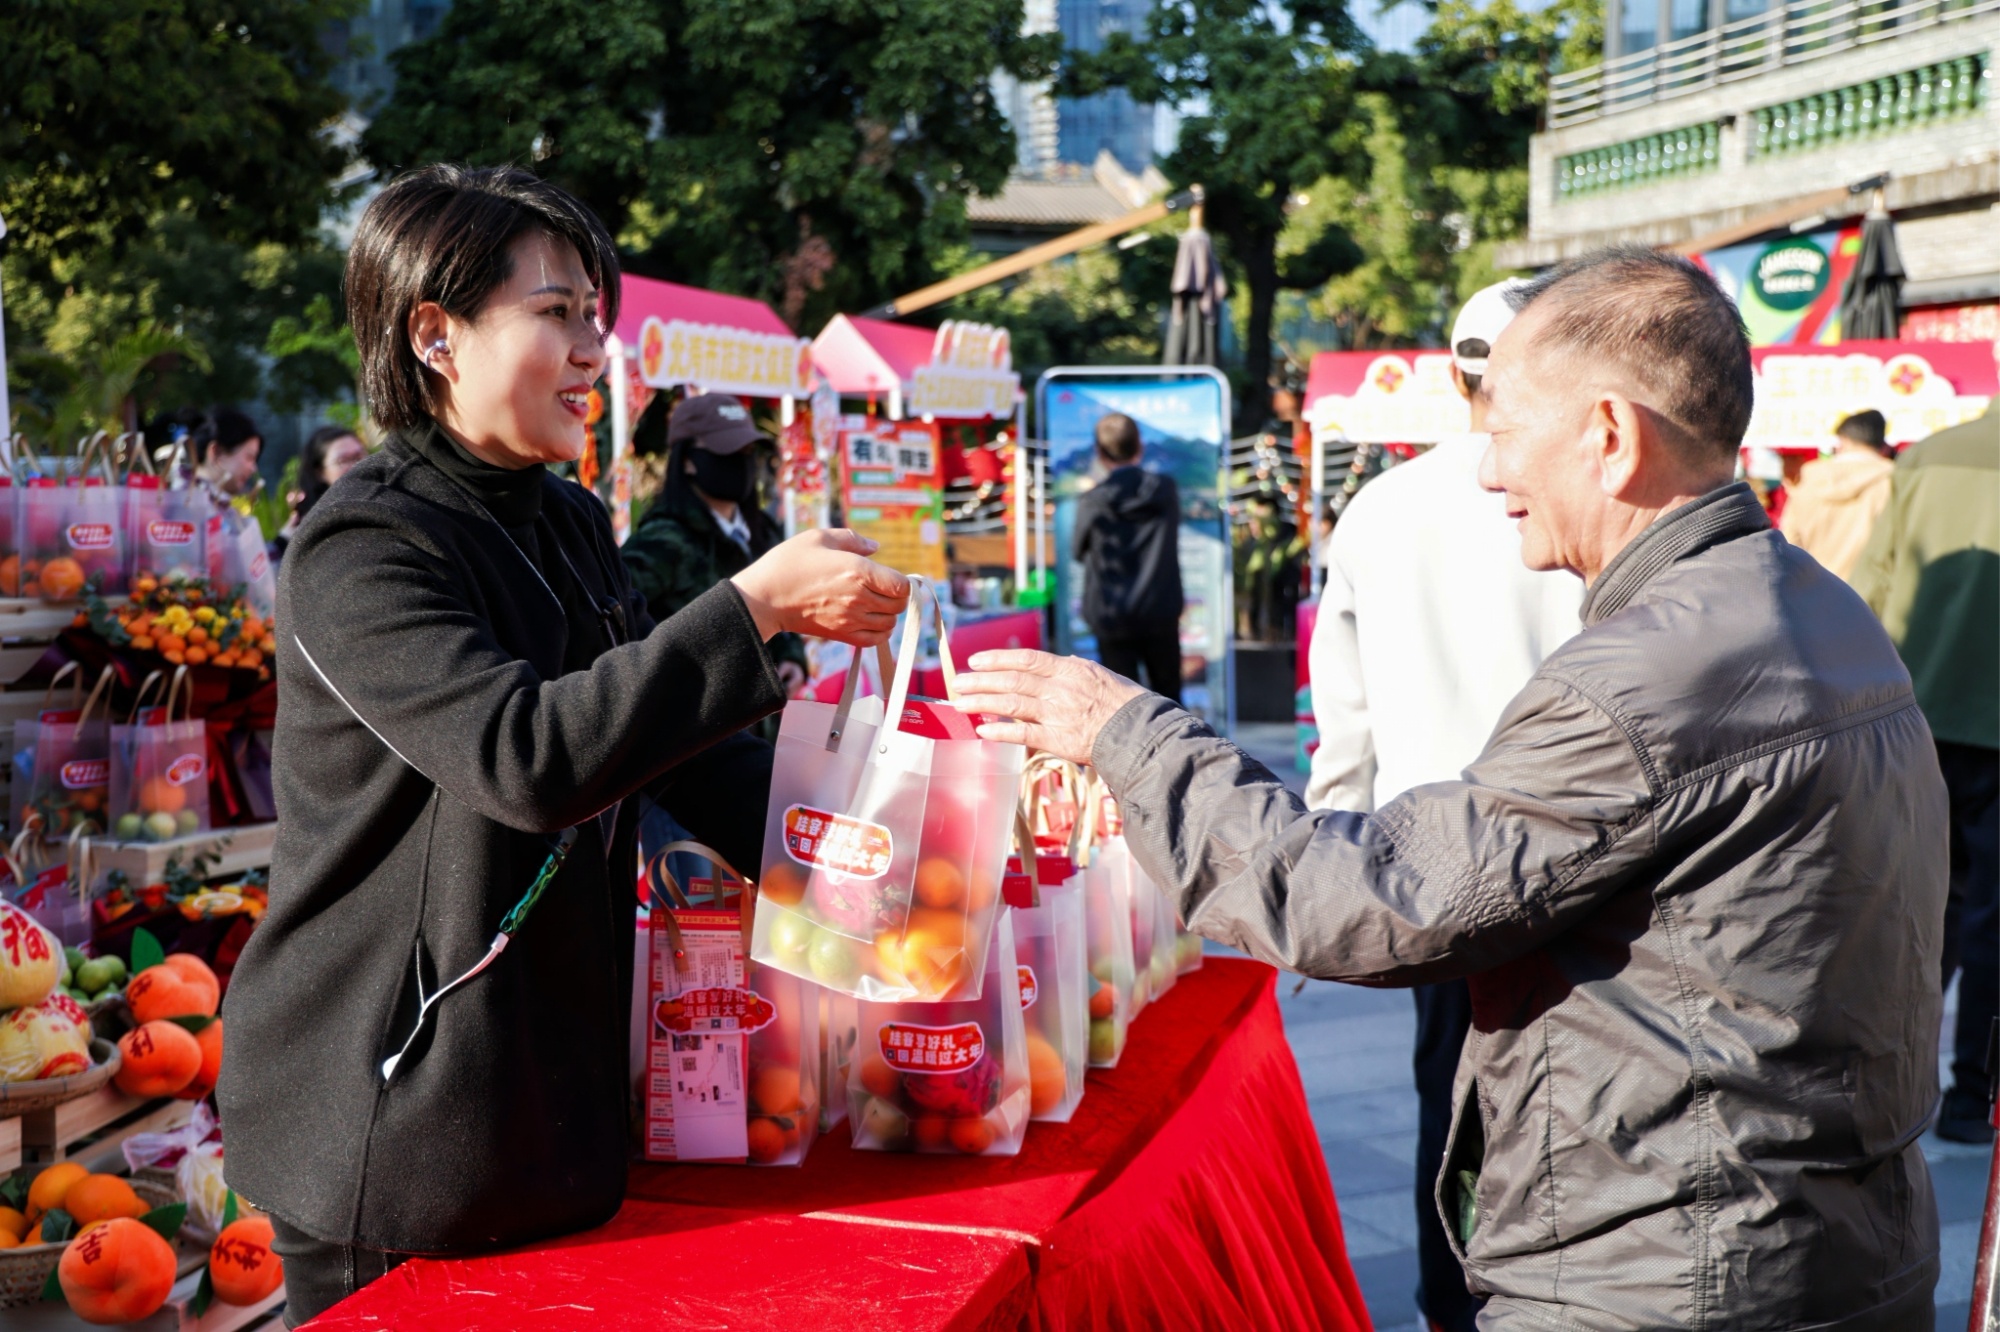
1483	318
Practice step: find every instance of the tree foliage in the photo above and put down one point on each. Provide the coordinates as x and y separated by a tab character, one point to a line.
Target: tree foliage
163	168
814	153
1266	90
115	113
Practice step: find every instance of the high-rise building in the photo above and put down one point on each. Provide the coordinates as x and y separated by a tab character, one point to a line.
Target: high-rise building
364	43
1111	121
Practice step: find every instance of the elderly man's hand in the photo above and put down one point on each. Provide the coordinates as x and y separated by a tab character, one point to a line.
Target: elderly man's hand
1057	703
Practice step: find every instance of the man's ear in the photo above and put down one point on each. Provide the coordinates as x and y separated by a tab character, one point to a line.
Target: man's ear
1623	442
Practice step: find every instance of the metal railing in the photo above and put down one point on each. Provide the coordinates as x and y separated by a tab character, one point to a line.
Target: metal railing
1790	35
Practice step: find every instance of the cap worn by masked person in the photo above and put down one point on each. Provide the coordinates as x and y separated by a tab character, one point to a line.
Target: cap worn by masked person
706	525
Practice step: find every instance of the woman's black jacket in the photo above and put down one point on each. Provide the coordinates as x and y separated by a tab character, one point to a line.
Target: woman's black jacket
430	744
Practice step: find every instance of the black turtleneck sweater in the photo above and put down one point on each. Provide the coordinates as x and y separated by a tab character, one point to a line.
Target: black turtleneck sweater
513	496
453	695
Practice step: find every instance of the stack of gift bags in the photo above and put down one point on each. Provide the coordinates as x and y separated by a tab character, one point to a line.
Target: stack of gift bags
943	935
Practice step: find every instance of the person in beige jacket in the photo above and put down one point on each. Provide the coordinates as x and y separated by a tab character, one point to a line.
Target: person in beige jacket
1831	513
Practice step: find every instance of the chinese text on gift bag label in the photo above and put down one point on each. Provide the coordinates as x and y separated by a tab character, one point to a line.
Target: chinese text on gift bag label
82	774
836	842
908	1048
715	1008
1029	990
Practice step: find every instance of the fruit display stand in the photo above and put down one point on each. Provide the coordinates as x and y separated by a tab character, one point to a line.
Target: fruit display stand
228	852
1189	1178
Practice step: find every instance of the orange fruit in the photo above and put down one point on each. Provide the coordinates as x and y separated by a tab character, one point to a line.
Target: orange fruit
157	795
12	1224
1048	1080
10	575
932	1131
119	1272
940	883
195	656
101	1198
160	1059
62	579
972	1136
1103	1000
173	990
209	1038
9	1240
767	1140
242	1266
783	882
774	1089
50	1187
34	1236
880	1079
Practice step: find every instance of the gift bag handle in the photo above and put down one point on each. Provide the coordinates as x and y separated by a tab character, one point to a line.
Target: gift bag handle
183	686
75	686
885	665
146	686
669	890
899	693
104	678
1024	840
1071	777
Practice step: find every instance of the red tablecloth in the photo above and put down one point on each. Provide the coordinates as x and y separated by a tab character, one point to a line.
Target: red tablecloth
1188	1192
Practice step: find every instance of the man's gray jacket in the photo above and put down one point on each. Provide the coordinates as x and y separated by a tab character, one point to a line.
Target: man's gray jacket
1697	882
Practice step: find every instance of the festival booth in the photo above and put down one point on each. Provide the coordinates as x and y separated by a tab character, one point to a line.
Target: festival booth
670	337
926	468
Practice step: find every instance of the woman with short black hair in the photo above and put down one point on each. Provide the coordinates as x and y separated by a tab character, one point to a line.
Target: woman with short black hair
428	1030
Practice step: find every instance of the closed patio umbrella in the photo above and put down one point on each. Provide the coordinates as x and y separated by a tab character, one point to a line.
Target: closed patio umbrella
1870	302
1193	326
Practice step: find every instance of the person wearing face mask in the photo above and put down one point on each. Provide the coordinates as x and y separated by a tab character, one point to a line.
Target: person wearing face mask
428	1031
706	525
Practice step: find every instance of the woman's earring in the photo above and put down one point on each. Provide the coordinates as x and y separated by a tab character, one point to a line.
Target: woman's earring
430	352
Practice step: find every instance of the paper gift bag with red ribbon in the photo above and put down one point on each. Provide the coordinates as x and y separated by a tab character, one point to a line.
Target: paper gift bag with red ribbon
732	1048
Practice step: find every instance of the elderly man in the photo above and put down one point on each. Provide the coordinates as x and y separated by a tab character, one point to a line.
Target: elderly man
1696	878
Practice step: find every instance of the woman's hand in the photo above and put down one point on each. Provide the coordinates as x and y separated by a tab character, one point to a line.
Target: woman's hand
823	583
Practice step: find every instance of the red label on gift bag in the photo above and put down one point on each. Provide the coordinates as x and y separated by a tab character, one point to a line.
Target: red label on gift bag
715	1008
836	842
82	774
166	532
909	1048
185	769
1029	990
89	536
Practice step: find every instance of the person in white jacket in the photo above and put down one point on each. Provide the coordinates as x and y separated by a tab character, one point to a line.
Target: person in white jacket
1428	625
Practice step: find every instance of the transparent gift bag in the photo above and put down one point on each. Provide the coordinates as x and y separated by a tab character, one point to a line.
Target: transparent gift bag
839	1028
237	558
1107	899
889	893
1047	914
159	767
166	530
69	775
1160	913
732	1048
946	1077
